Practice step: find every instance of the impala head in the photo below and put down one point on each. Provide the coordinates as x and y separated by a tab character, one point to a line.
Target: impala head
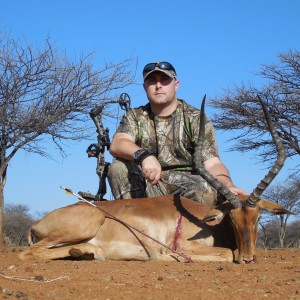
244	210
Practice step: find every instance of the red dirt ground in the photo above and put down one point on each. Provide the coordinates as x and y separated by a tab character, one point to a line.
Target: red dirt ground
275	276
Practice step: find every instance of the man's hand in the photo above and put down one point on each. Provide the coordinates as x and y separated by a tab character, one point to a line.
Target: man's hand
151	169
236	191
215	167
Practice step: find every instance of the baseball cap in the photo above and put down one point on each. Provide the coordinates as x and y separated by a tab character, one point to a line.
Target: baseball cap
163	67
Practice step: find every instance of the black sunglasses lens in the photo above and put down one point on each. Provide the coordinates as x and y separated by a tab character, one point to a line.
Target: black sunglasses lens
160	65
166	66
149	67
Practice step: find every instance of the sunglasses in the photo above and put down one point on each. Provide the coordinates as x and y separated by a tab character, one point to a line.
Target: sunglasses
160	65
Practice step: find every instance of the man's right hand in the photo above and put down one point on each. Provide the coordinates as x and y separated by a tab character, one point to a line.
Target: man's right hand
151	169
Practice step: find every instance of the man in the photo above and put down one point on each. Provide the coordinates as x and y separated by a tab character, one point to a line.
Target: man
154	145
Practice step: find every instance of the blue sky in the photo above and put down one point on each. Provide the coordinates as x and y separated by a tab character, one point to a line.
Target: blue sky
212	44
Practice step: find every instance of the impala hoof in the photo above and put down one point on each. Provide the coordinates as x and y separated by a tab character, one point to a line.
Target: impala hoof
252	261
75	253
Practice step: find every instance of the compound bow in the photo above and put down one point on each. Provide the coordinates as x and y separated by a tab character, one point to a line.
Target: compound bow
98	150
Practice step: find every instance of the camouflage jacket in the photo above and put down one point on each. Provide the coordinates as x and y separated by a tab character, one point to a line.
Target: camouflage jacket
171	138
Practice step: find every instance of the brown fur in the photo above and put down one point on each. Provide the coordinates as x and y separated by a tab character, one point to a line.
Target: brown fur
82	230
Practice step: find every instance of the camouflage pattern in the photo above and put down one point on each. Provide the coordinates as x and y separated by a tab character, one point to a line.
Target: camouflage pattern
172	139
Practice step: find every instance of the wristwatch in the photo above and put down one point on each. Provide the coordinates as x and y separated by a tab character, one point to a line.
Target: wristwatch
140	155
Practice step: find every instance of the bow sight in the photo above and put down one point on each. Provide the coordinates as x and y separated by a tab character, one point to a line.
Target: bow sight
98	150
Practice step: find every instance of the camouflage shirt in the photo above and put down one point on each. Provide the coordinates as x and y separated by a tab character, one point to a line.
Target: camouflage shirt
171	138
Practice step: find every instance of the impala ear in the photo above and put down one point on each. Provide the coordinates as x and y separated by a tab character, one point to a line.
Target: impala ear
217	214
273	207
213	215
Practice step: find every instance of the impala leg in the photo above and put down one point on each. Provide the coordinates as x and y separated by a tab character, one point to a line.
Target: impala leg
83	251
217	254
59	231
86	251
214	254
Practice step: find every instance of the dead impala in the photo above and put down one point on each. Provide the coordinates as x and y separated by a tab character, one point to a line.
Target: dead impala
163	228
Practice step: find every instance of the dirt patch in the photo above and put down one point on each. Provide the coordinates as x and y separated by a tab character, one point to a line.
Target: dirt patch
275	276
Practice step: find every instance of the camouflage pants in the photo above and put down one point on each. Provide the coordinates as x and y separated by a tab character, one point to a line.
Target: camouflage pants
126	181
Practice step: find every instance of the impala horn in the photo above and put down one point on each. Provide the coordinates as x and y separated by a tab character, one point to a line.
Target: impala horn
254	196
198	163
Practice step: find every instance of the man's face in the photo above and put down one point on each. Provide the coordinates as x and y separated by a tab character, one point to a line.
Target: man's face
160	88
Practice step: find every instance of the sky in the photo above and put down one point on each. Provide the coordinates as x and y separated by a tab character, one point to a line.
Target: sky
212	44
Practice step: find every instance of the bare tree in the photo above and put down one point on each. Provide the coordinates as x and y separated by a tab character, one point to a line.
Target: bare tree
17	220
46	96
293	235
268	236
240	110
286	194
262	237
